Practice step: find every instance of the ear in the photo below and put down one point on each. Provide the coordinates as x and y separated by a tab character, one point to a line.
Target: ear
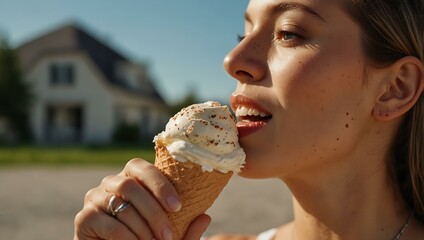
402	87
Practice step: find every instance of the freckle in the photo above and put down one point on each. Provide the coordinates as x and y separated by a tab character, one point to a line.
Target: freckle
347	125
335	150
300	62
322	109
352	119
323	90
278	146
347	114
338	139
387	114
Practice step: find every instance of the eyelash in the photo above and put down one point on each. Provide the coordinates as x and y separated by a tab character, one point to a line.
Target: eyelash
276	36
240	37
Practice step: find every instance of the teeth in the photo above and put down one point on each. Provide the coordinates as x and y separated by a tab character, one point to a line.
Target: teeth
243	111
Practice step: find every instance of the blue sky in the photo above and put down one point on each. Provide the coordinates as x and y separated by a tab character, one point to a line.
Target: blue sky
184	42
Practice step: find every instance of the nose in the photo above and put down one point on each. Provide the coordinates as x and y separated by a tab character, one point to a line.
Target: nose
247	61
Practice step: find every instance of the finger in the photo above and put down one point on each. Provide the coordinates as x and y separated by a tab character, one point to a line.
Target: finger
198	227
139	227
129	216
159	186
91	224
146	205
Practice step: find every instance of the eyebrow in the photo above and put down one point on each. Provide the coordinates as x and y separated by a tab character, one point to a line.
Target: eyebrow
289	6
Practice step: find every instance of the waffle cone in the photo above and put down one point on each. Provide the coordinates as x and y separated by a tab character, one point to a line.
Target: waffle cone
197	189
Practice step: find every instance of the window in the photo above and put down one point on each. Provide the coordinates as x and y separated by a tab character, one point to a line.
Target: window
62	74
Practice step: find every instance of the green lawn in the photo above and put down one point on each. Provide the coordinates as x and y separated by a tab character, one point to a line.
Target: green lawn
59	156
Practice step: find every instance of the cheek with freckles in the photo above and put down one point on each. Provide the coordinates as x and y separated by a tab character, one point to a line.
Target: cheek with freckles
320	109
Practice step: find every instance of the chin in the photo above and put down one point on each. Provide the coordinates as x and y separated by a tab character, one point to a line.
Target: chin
254	169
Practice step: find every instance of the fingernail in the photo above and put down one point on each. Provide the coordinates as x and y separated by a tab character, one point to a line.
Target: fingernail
173	203
167	233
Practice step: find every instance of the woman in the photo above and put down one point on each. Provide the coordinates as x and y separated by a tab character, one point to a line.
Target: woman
340	83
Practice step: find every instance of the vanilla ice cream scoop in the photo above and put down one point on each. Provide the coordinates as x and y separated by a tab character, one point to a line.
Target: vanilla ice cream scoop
204	134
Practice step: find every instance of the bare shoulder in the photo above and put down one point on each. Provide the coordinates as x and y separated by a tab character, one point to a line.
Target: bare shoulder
231	237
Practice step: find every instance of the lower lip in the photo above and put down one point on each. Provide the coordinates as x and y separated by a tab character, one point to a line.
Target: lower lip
247	128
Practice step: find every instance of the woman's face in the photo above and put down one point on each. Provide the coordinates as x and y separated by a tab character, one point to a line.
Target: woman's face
301	97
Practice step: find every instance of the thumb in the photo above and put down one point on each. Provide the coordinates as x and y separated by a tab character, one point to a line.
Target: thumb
198	227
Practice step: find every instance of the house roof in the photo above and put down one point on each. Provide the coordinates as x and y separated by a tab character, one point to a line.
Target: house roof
70	38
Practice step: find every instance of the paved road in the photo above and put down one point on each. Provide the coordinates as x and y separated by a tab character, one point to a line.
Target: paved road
40	203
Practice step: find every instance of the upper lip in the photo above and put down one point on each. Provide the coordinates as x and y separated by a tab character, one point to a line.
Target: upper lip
239	100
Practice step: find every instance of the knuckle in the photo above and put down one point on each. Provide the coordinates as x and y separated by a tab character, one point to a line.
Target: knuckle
89	195
106	179
134	162
83	217
150	168
78	220
161	187
126	185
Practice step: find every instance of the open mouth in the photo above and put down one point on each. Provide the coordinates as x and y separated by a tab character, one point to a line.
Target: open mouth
249	114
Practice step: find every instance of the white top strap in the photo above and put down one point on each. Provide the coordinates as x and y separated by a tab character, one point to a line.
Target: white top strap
267	235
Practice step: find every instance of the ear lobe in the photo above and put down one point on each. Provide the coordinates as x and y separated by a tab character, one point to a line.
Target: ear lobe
402	89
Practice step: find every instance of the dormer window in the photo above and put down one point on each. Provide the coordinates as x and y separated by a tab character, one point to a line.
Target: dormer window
62	74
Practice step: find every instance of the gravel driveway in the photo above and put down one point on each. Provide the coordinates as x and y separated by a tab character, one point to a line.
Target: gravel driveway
40	203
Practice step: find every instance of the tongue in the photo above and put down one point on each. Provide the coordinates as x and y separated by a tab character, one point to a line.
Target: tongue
246	128
244	124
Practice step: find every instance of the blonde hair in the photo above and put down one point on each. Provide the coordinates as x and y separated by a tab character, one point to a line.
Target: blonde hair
392	29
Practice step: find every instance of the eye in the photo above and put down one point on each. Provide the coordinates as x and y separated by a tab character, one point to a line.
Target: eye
287	36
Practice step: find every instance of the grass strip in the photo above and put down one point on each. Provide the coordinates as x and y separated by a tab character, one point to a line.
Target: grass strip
58	156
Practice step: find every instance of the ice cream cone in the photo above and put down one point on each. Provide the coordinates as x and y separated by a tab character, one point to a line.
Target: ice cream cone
199	151
197	188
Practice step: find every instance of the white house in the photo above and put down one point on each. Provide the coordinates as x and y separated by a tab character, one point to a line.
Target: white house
84	89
